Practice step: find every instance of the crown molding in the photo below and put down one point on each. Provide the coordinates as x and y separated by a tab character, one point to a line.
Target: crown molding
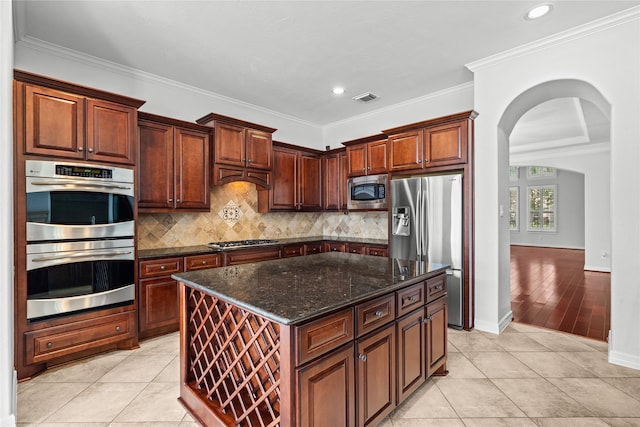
33	43
575	33
521	158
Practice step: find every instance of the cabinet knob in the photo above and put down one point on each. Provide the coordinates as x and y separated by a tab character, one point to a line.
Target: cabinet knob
362	357
179	201
162	267
413	299
248	160
170	200
49	345
90	150
379	313
374	253
419	161
425	320
118	328
204	262
80	149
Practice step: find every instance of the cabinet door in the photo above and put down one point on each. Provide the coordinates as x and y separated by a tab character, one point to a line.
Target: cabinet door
344	175
258	146
357	159
436	335
376	375
411	353
405	150
285	175
159	307
326	391
331	182
377	157
111	132
192	169
155	165
446	144
309	182
54	123
229	144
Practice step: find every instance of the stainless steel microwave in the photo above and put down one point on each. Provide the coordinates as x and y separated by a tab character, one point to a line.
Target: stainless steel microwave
367	192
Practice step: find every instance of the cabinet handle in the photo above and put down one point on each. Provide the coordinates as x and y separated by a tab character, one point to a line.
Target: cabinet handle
162	267
49	345
118	328
362	357
379	313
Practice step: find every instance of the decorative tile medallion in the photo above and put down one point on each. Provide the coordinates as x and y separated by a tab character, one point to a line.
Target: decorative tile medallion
230	213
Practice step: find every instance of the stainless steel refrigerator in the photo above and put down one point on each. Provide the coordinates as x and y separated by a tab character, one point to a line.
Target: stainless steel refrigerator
426	225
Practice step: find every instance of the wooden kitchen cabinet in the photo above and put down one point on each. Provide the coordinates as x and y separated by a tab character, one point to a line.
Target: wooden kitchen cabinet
335	173
242	151
376	375
173	172
326	391
296	249
243	256
437	142
436	336
311	248
296	182
158	293
372	250
367	156
63	120
335	247
412	350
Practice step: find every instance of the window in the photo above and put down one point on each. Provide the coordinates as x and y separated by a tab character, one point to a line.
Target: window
540	172
514	173
514	198
542	208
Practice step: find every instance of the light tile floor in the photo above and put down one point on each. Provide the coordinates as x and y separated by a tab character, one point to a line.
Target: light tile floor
525	376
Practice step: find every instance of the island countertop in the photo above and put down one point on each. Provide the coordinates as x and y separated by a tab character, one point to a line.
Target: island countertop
293	290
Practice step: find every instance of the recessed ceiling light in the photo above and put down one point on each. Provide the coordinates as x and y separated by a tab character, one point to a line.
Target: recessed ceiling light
538	11
337	90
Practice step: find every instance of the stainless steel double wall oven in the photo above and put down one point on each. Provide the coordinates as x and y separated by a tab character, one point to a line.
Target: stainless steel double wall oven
80	237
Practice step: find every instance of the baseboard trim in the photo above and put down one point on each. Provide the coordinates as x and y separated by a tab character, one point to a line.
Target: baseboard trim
624	359
494	328
597	269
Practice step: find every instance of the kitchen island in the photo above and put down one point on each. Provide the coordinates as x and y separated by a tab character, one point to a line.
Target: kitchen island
331	339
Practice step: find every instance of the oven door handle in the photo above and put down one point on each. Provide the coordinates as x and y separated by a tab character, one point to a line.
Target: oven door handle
81	255
81	184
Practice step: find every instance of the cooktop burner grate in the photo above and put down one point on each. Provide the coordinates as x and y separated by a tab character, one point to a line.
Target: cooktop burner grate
240	243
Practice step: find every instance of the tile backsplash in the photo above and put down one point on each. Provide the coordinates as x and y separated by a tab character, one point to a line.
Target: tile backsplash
234	216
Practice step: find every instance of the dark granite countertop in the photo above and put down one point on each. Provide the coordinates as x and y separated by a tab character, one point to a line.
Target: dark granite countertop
293	290
203	249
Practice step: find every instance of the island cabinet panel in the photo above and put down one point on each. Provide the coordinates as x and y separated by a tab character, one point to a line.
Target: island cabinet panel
67	124
323	335
436	331
375	313
376	375
411	353
326	391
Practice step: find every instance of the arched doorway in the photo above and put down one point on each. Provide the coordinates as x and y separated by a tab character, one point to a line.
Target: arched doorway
565	124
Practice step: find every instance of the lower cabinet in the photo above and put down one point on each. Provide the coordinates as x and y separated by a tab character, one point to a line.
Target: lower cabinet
376	375
326	391
159	309
411	353
436	333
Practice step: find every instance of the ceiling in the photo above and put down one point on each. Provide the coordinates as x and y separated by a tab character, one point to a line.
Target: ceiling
286	56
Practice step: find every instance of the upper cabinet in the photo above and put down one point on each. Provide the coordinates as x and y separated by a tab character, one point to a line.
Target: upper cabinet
242	151
173	172
297	184
334	184
65	120
367	156
437	142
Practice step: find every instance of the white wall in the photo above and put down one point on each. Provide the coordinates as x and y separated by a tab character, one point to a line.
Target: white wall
7	376
162	96
570	211
587	54
597	187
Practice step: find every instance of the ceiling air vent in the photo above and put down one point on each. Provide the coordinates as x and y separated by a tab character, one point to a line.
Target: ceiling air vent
365	97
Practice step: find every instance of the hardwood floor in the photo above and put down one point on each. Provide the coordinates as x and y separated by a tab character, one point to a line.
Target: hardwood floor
549	288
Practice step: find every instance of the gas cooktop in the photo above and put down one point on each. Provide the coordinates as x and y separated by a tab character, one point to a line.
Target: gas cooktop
241	243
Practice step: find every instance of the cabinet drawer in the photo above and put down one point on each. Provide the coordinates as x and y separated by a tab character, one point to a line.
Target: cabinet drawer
198	262
334	247
293	250
312	248
243	256
160	267
377	251
375	313
410	298
58	341
321	336
436	287
355	248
